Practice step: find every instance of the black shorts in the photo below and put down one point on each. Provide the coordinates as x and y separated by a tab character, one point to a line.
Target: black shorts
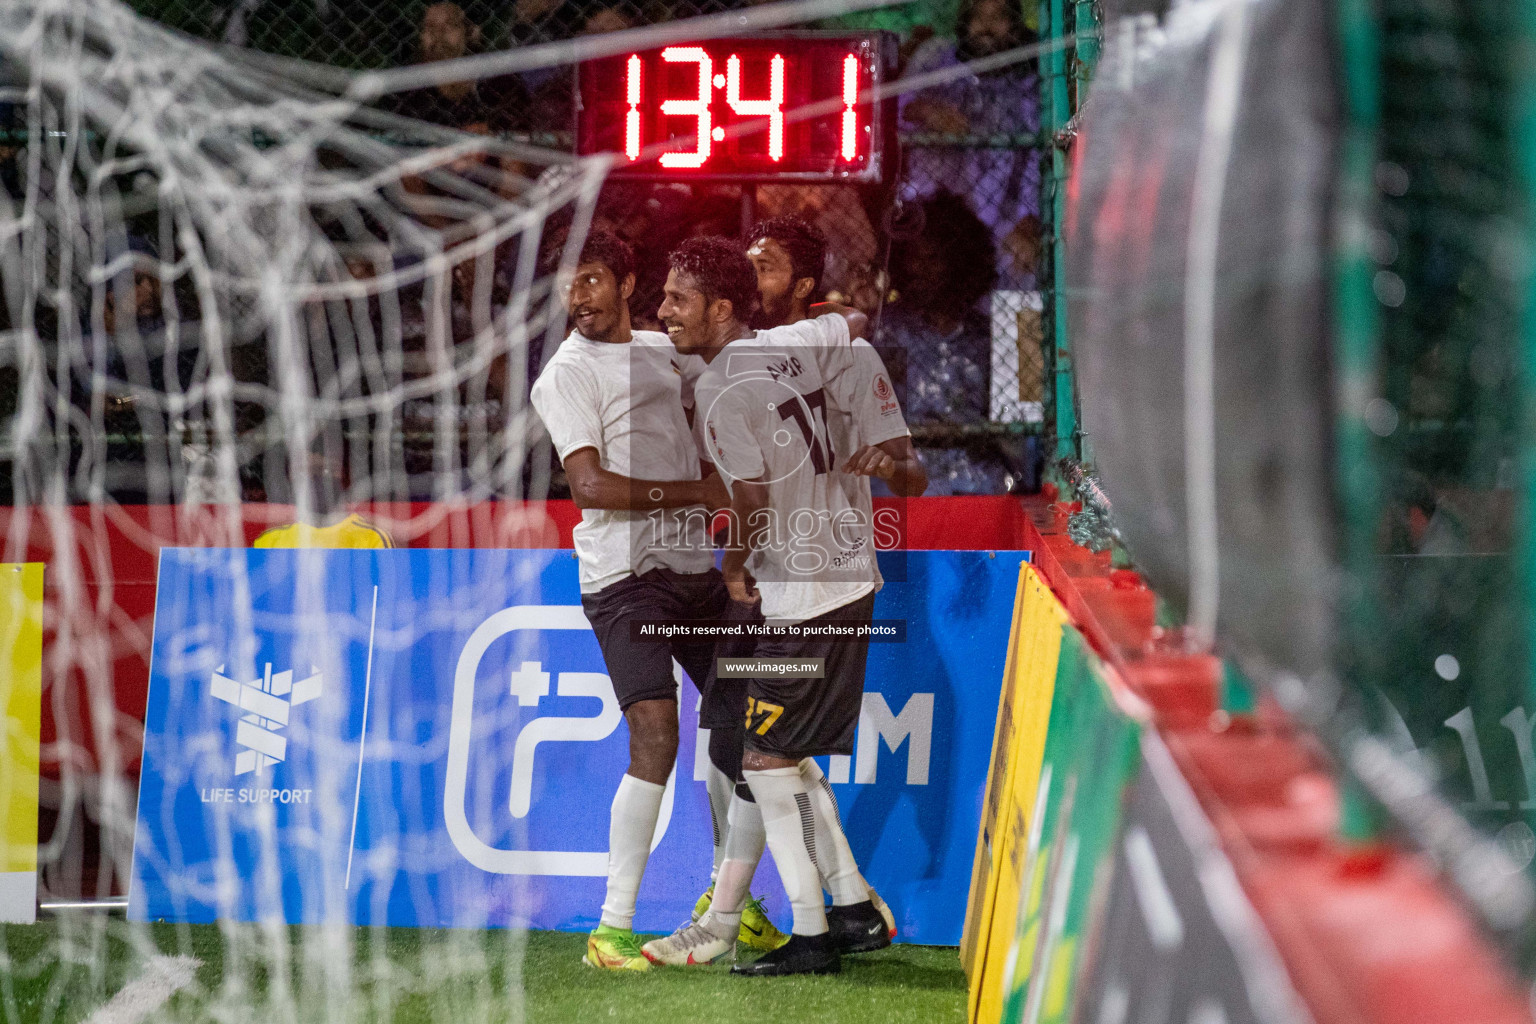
798	718
725	700
642	670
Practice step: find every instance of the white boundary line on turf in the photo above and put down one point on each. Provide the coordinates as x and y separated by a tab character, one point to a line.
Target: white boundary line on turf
362	739
163	977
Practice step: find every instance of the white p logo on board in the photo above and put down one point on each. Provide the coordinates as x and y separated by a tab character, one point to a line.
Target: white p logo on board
529	684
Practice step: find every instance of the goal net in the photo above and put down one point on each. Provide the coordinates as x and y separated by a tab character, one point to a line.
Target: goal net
244	303
236	300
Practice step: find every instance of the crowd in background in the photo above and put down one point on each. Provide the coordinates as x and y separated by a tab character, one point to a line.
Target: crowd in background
931	255
929	273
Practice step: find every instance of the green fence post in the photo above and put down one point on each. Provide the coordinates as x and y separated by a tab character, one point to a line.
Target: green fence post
1524	134
1357	343
1055	112
1086	30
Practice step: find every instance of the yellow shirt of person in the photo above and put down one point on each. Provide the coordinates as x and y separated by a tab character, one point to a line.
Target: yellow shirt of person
352	532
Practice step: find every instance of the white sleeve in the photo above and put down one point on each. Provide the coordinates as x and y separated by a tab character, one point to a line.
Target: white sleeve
696	425
865	393
567	400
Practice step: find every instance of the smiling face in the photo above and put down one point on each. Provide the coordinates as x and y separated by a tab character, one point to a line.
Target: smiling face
776	282
684	313
598	303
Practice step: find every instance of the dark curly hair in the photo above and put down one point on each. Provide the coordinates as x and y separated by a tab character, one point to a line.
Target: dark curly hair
720	270
806	246
611	251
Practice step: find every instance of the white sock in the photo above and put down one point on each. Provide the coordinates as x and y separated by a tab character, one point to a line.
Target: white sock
791	833
743	850
834	858
631	825
720	789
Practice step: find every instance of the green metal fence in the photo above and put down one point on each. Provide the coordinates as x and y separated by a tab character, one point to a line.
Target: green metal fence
1433	264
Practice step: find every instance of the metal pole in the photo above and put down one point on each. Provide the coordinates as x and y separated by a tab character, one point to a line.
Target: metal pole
1056	111
1357	342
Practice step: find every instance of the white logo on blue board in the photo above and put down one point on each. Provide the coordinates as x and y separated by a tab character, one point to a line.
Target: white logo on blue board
529	684
266	703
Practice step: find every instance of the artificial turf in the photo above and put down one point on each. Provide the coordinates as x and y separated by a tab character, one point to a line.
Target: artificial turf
60	971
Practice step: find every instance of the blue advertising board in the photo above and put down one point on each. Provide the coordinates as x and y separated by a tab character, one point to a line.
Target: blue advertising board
429	738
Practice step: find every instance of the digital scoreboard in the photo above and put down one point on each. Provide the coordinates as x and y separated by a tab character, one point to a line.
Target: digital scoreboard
790	107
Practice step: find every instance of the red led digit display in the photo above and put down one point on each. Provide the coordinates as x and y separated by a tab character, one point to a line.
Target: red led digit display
790	107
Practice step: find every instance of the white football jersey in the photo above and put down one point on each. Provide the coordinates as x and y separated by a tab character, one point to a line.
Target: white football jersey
626	402
762	413
862	410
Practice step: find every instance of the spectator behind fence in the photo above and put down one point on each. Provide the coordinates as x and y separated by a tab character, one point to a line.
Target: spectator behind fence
1002	183
500	104
839	214
543	21
940	277
554	101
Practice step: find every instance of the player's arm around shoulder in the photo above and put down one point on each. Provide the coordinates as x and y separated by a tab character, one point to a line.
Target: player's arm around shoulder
857	323
872	400
593	487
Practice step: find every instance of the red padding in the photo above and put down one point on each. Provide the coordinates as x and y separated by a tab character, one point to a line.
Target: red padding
1370	936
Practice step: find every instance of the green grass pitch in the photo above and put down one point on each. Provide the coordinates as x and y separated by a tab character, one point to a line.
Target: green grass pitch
63	970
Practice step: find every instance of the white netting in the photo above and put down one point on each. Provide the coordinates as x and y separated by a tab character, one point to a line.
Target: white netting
230	303
236	298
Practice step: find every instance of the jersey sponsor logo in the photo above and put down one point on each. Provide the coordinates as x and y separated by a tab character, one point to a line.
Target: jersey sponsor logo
855	556
266	704
885	396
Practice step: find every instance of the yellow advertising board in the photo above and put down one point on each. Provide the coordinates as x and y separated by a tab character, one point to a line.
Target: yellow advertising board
1018	746
21	694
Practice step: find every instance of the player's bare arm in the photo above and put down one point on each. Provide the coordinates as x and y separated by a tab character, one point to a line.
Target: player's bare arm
858	323
749	499
593	487
894	461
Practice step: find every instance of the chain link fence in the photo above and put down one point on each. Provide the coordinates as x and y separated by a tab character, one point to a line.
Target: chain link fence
412	401
1442	644
945	256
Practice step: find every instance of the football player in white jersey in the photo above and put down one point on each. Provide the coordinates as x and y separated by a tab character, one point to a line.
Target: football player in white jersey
761	415
870	438
610	399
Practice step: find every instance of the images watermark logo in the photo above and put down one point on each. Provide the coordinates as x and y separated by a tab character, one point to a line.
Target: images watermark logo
266	703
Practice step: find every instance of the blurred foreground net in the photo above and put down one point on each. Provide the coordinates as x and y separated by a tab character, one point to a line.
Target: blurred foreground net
225	294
